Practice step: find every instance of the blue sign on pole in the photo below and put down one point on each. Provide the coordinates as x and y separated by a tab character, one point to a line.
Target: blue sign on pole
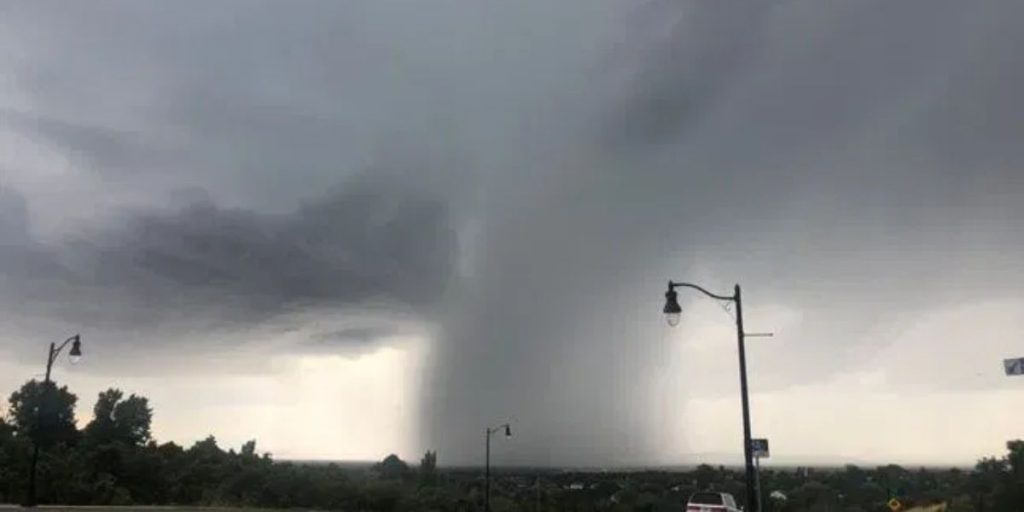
1014	367
760	448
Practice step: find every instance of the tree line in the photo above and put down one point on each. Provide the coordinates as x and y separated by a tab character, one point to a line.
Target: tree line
114	460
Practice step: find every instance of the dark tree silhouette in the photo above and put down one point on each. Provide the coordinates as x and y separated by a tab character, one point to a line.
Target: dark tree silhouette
116	463
392	467
116	420
428	468
44	412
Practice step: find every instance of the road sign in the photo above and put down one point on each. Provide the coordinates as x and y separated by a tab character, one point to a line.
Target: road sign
1014	366
760	448
895	505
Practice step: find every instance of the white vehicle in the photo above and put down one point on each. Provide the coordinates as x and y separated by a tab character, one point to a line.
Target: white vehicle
712	502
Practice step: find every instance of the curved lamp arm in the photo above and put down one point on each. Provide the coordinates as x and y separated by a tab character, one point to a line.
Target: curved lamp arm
77	339
505	426
672	285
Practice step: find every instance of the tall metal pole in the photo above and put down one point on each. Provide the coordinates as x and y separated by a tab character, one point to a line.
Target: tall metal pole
487	474
760	495
672	311
748	452
30	499
49	361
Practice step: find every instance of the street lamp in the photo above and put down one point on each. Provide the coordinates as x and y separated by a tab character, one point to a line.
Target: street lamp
74	355
672	312
487	463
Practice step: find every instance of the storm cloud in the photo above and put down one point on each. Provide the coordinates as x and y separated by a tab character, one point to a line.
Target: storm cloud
513	183
804	149
365	243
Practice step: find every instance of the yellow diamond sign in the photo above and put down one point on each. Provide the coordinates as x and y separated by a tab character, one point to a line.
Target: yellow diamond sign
895	505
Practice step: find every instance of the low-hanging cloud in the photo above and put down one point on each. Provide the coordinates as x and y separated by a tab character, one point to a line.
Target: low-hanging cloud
368	242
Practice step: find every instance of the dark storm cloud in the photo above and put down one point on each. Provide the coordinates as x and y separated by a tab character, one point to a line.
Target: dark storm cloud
683	74
20	255
367	242
855	163
111	150
846	161
213	158
849	155
357	242
234	98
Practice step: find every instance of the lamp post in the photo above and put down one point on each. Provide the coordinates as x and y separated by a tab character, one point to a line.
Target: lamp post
672	312
74	355
487	462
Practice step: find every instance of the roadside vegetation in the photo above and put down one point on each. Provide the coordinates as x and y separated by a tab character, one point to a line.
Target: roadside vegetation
115	461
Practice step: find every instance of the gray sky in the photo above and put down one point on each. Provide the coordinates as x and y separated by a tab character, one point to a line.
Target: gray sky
351	228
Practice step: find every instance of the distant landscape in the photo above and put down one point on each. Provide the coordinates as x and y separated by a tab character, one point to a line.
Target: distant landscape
114	461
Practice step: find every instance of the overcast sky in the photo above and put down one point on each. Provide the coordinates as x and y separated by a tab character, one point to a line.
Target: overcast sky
359	227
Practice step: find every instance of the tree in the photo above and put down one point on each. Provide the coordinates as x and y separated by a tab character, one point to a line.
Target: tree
44	412
392	467
813	495
428	468
705	476
429	462
997	484
1015	458
248	450
1009	495
13	462
132	419
115	420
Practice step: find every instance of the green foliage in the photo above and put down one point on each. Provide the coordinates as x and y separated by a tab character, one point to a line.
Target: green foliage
113	461
428	468
120	421
392	468
248	450
428	464
1004	480
43	412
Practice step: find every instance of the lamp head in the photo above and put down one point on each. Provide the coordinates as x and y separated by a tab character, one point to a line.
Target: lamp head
76	350
672	309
